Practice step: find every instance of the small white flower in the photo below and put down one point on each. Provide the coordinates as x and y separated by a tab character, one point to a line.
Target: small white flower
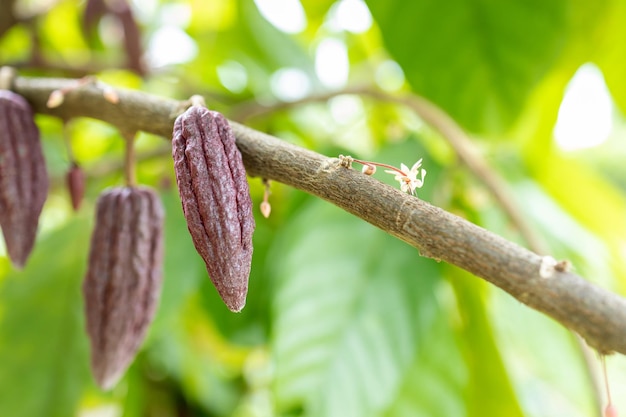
408	177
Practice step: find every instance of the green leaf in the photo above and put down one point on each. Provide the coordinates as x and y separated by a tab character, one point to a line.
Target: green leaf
43	348
611	55
64	41
581	190
434	382
478	60
251	41
543	359
270	46
352	306
203	364
489	390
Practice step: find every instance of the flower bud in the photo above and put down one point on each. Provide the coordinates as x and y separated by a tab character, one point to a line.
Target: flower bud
368	169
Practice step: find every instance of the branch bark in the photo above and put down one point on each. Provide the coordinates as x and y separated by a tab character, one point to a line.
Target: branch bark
598	315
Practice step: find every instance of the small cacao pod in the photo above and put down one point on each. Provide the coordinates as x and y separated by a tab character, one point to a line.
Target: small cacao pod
216	200
123	279
75	179
23	176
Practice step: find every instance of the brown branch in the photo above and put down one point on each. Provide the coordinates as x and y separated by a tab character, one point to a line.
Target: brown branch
449	130
130	176
595	313
7	15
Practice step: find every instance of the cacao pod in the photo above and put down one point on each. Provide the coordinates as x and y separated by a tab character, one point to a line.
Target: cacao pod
75	179
123	279
216	200
23	176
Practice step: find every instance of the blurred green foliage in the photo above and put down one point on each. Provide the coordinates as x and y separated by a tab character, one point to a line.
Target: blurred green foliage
342	319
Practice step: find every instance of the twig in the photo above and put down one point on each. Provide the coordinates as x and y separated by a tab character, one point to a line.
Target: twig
595	313
130	175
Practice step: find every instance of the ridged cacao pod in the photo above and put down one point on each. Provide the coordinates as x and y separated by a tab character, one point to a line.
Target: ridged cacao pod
123	280
216	200
23	176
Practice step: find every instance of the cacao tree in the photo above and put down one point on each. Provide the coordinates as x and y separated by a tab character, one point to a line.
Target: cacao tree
386	186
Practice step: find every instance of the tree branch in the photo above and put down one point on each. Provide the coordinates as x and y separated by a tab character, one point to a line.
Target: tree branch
449	130
595	313
7	15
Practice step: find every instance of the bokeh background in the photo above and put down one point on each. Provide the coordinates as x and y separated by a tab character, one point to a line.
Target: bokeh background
342	319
